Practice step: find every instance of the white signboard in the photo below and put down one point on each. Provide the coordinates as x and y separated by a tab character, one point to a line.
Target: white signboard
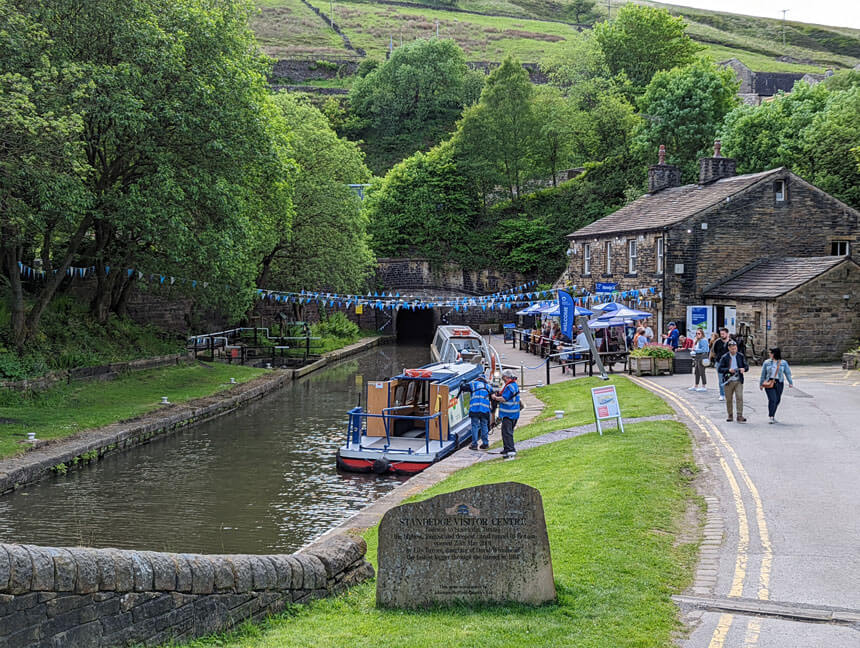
605	402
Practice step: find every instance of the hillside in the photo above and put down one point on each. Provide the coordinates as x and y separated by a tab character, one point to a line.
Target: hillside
488	30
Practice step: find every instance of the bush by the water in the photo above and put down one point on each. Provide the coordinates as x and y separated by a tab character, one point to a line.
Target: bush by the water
69	337
336	325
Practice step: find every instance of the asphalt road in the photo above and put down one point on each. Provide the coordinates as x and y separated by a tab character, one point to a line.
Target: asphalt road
785	569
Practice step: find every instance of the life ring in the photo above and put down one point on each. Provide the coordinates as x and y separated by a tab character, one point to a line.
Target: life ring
418	373
380	466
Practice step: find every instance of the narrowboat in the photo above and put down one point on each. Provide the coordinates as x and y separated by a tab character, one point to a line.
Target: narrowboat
411	420
456	343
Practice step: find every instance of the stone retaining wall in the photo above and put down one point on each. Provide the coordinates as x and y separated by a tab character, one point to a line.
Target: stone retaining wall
93	598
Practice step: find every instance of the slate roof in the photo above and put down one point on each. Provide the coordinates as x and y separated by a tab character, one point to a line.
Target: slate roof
670	206
773	277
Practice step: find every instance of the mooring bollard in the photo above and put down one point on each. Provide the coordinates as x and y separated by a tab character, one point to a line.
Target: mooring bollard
559	414
164	400
232	381
31	437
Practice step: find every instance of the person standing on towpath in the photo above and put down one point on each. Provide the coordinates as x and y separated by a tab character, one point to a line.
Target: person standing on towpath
479	411
509	411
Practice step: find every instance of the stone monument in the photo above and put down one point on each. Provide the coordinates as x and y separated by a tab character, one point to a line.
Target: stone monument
477	545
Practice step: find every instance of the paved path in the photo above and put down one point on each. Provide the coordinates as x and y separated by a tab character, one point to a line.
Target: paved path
780	563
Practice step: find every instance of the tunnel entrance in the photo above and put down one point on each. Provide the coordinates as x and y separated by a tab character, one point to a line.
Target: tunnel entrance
416	326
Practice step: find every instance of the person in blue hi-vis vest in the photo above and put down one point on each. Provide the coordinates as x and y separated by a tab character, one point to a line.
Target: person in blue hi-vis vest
479	410
509	411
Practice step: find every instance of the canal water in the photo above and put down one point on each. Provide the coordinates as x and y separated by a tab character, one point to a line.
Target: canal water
260	480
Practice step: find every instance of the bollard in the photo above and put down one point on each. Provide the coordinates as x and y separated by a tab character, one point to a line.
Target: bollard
522	374
164	400
547	370
559	414
232	381
31	437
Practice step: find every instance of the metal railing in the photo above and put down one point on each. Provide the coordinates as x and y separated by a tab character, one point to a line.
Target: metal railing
357	427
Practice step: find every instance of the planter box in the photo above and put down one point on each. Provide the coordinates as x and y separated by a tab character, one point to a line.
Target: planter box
663	365
640	366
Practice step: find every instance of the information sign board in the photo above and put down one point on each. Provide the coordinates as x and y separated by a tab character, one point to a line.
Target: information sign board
605	401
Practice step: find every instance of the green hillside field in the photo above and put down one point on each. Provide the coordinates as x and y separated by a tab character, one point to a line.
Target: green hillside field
289	29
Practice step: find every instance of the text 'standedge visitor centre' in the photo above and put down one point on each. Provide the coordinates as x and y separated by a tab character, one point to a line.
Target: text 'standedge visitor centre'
768	249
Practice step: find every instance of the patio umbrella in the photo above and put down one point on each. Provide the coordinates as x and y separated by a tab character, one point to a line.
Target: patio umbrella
606	322
555	310
534	309
614	309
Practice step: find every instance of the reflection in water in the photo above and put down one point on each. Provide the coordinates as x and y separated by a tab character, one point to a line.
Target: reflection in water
260	480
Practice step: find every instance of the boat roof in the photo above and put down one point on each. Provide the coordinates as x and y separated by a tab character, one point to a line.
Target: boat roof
450	331
444	372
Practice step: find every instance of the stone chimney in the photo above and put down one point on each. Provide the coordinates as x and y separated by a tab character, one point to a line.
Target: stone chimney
714	168
661	175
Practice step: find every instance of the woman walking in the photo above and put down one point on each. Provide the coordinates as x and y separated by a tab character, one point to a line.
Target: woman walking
774	372
700	352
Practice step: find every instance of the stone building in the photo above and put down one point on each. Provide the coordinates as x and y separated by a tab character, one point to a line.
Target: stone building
685	239
756	87
805	304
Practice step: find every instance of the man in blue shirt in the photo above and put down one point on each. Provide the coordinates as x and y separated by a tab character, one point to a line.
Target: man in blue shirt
509	411
671	338
479	410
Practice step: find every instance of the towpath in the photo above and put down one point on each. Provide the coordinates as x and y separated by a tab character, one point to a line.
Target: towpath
780	563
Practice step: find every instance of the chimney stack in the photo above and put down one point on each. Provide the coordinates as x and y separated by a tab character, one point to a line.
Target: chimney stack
717	167
661	175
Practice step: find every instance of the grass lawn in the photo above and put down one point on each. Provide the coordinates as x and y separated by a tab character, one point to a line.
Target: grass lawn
574	397
70	408
615	510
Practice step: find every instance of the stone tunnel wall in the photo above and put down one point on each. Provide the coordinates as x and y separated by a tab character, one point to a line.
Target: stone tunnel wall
100	598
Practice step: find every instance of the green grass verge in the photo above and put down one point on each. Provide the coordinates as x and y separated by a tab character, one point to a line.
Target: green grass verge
615	510
574	397
67	409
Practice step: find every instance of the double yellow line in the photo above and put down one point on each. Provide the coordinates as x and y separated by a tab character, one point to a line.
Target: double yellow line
723	448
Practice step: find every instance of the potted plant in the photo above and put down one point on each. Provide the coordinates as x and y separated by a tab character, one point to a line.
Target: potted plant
664	357
641	362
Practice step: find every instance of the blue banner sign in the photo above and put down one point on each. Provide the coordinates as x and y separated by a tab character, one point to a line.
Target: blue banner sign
605	287
566	313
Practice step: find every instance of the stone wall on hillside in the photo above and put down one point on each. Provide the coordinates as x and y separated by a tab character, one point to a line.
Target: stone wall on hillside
417	273
94	598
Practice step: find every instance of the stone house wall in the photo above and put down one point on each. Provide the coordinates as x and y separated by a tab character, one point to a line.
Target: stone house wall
750	226
813	323
817	322
94	598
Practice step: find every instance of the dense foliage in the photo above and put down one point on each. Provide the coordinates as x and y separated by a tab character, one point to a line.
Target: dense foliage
685	107
643	40
812	131
326	244
411	101
156	174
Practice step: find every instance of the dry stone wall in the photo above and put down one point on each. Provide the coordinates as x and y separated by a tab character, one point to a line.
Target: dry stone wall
94	598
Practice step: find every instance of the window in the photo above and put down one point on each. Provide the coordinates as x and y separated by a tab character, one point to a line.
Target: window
631	256
608	257
586	256
779	190
660	255
839	248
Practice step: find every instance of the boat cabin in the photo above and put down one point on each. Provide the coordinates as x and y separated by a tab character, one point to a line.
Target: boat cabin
411	420
453	343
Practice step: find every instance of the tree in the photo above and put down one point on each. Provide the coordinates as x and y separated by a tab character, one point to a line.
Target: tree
326	245
553	116
502	127
581	11
425	206
642	40
812	131
684	108
423	81
183	164
41	196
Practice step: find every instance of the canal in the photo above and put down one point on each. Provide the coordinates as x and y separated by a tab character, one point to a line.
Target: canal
260	480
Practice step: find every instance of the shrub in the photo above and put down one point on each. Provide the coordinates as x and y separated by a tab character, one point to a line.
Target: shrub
337	325
654	351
